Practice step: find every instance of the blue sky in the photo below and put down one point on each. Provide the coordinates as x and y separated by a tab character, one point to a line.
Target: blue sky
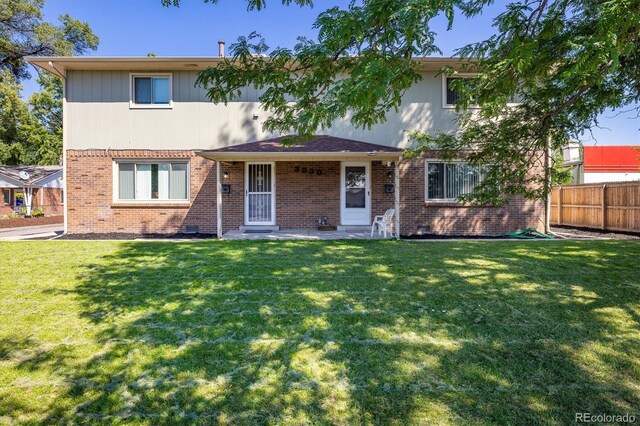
137	27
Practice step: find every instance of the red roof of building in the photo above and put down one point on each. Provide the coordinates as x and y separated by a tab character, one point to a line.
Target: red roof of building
612	159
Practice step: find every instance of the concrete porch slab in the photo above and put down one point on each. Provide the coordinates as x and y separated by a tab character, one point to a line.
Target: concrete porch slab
259	228
301	234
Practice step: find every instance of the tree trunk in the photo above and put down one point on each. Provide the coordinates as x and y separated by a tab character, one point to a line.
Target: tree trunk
547	186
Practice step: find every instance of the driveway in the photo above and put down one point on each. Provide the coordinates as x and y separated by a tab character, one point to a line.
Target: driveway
30	232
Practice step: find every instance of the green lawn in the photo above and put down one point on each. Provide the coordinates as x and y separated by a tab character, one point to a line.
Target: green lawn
322	332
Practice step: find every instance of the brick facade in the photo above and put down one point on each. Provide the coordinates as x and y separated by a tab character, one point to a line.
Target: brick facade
90	195
419	216
49	199
381	175
304	196
301	199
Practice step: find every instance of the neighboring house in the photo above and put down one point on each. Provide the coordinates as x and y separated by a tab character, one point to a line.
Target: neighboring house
595	164
145	151
30	187
572	153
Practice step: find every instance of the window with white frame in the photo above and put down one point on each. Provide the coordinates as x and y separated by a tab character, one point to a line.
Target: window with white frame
446	181
450	95
6	193
149	90
152	181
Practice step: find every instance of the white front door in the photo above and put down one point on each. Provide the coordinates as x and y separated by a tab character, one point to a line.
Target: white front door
355	193
259	194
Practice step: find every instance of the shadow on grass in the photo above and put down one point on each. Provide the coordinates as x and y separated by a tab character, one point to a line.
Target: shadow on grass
357	331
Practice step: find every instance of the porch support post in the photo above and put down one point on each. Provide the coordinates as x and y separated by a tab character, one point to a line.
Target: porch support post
218	200
27	193
396	193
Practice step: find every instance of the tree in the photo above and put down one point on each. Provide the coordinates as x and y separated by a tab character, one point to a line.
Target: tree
360	66
14	114
564	61
251	4
45	133
24	33
32	133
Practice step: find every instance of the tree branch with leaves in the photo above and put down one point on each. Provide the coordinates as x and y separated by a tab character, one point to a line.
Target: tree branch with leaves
360	66
31	133
565	62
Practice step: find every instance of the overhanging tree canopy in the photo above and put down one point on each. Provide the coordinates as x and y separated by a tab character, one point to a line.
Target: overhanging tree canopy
31	133
564	61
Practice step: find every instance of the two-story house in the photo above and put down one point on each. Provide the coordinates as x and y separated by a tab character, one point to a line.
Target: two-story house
145	151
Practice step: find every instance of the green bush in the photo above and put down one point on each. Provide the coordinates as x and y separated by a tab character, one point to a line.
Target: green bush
38	212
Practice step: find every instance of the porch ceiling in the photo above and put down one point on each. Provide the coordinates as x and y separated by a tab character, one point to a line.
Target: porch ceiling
328	148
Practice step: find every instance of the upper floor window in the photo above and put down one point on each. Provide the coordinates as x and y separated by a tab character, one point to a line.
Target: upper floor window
151	90
448	181
151	181
450	95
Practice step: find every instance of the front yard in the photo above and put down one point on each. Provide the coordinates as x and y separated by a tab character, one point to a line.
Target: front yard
334	331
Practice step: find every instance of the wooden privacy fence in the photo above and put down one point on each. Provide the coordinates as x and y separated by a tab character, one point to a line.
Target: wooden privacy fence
611	206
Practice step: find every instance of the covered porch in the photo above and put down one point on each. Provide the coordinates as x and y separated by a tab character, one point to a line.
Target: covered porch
327	184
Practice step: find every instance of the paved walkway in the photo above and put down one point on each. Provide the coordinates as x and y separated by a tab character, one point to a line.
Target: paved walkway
299	234
30	232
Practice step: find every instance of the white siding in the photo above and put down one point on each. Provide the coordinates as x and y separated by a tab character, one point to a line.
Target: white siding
590	177
99	116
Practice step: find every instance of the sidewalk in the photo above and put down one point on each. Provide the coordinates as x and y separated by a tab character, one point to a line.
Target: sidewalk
29	232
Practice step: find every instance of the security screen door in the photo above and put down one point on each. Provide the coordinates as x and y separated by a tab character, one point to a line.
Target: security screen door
259	197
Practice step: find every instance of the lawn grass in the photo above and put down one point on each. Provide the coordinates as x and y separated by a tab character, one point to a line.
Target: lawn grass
318	332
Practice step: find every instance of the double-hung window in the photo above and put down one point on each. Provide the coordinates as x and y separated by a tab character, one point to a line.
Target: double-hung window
446	181
152	181
151	91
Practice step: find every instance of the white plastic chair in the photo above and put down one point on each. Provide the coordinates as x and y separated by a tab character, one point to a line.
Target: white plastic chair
384	223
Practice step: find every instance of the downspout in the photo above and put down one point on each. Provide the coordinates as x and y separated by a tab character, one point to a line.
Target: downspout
218	200
63	76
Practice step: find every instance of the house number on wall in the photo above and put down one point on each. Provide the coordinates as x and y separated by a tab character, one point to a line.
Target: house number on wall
309	171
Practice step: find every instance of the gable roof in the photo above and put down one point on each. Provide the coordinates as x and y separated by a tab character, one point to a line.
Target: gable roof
320	145
35	173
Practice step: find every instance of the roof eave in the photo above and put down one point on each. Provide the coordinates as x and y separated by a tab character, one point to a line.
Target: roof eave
59	65
11	180
292	156
55	175
35	183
